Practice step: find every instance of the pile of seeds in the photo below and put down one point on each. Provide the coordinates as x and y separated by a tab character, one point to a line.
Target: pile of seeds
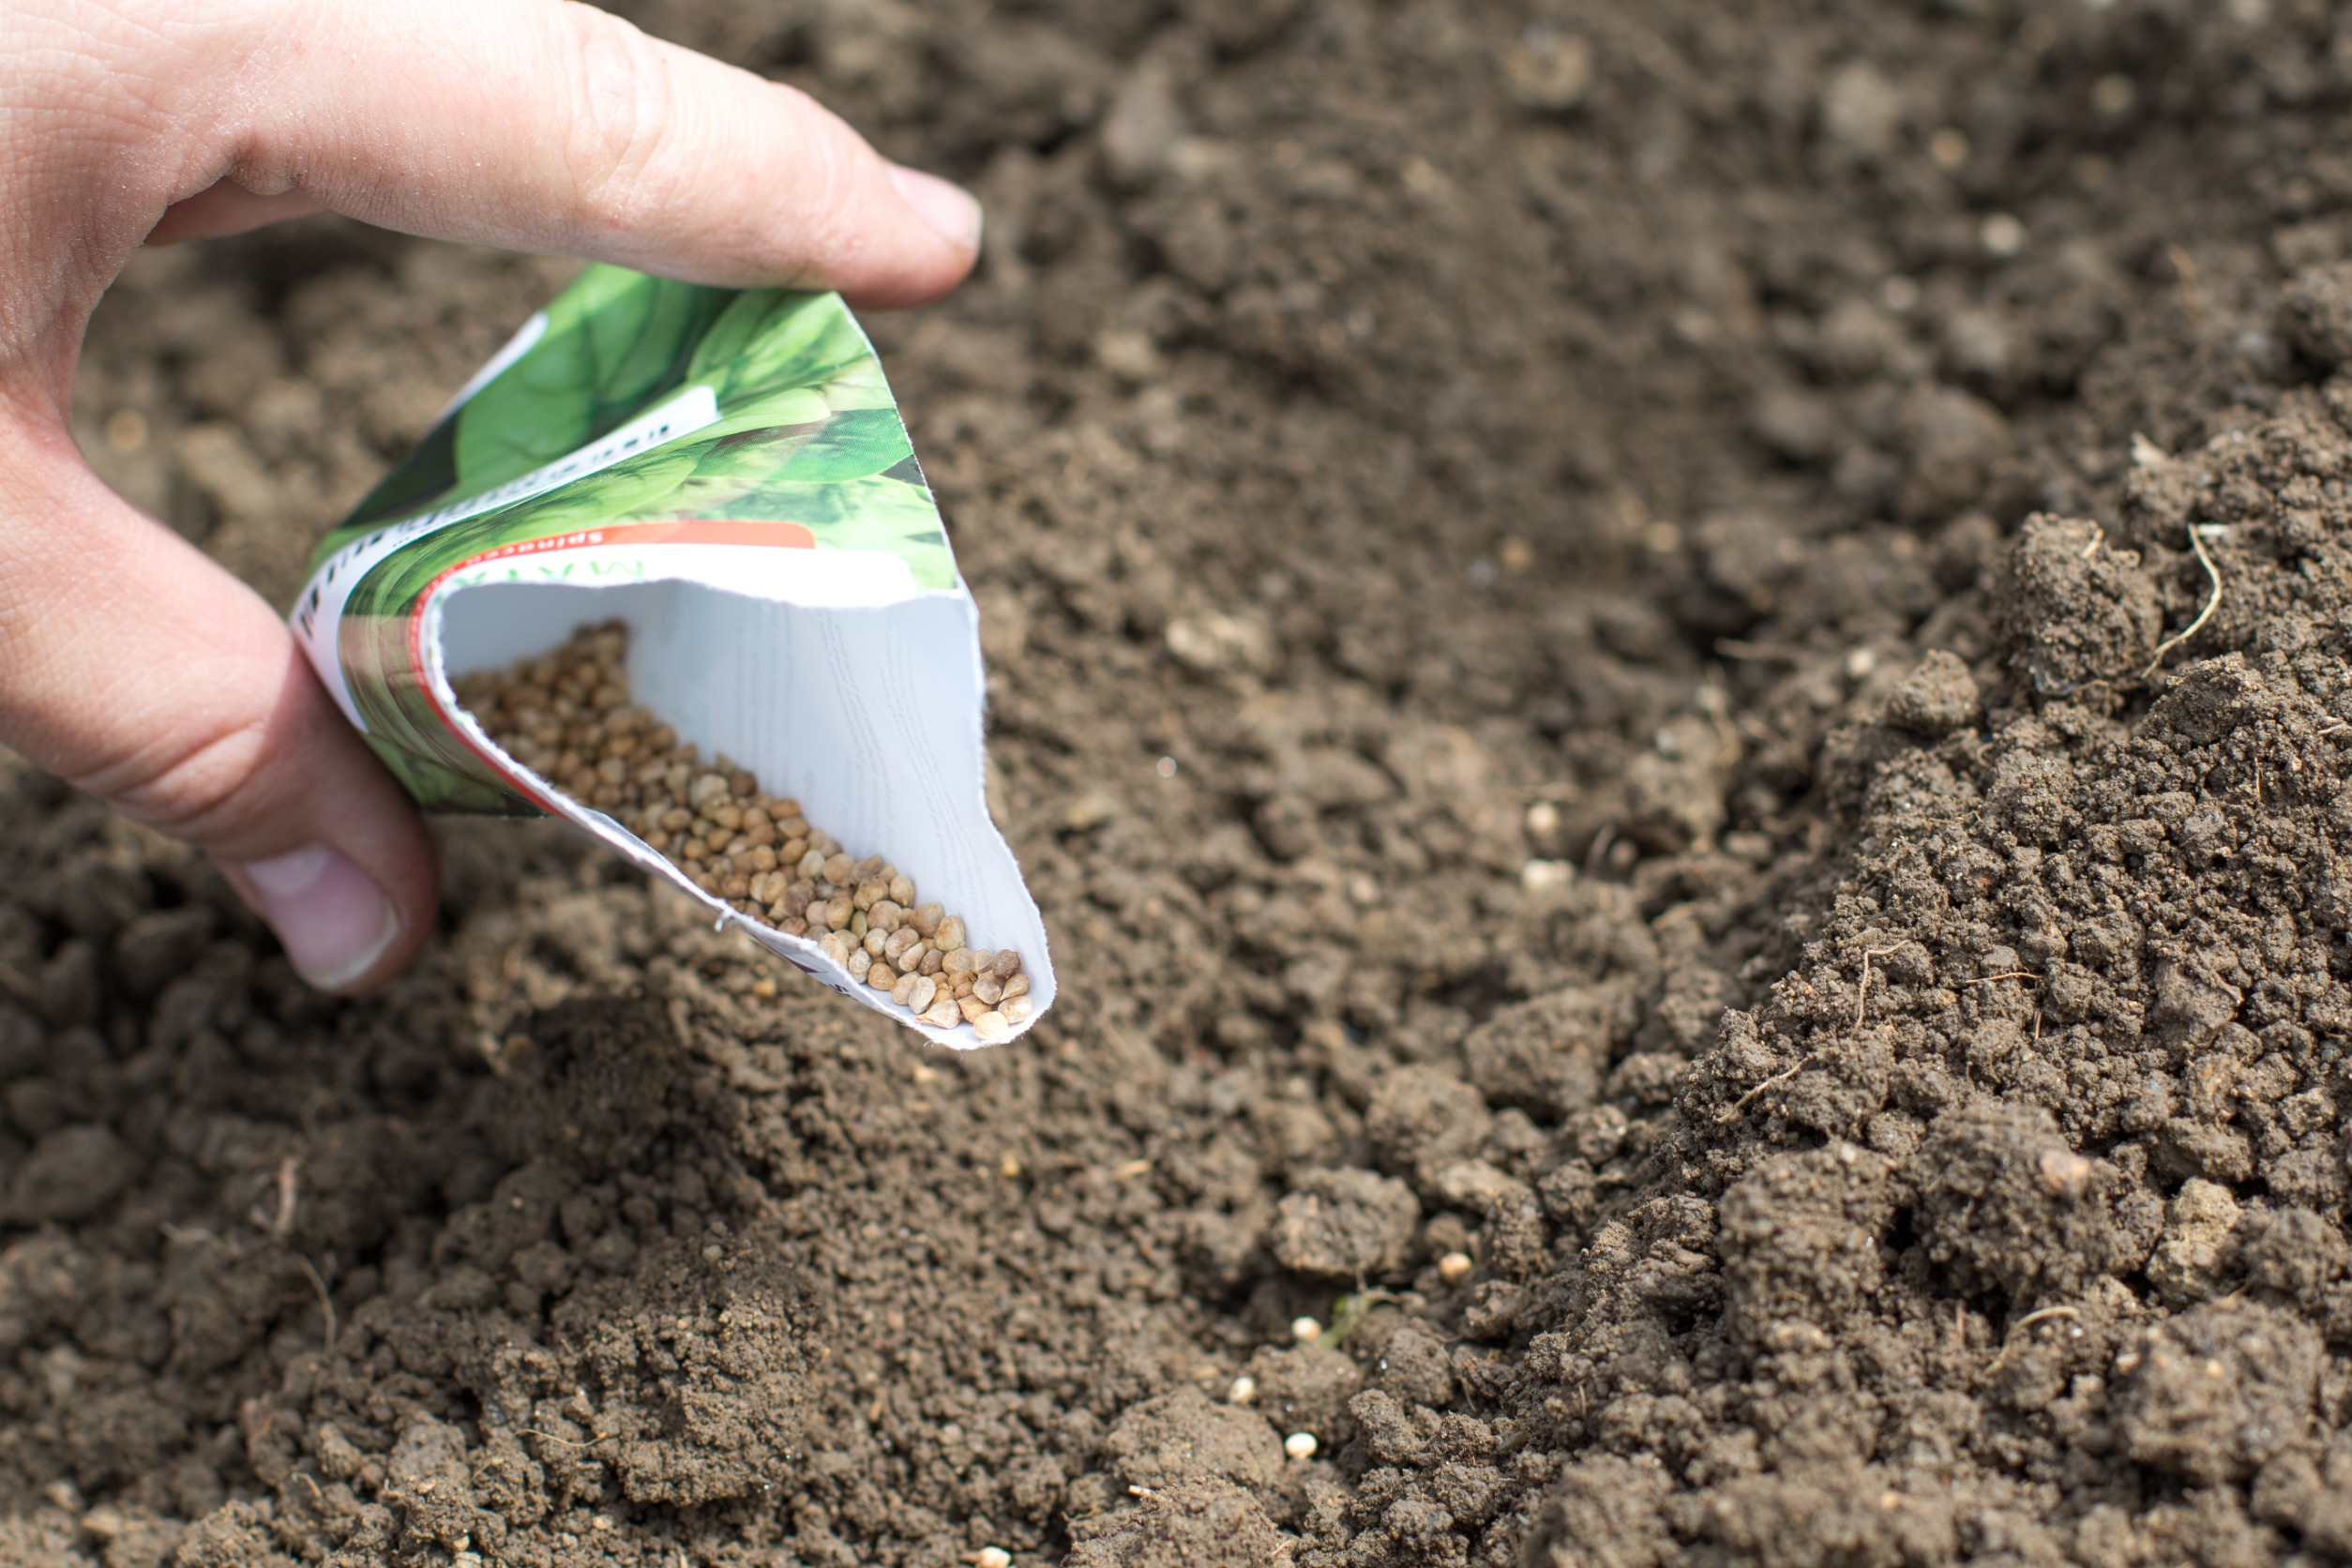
566	716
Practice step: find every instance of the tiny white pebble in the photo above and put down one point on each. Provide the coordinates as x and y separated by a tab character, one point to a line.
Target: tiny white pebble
1455	1267
992	1557
1300	1445
1304	1329
1244	1389
1541	876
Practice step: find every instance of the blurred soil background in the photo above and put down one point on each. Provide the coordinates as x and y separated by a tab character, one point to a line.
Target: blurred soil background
1697	650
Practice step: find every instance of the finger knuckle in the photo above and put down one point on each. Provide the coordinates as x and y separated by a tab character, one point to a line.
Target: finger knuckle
623	109
198	788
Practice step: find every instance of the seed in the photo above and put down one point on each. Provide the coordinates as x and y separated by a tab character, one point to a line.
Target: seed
1300	1445
1244	1391
1306	1329
992	1557
566	716
991	1027
1456	1267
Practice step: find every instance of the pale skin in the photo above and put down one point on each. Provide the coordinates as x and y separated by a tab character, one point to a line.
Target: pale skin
133	666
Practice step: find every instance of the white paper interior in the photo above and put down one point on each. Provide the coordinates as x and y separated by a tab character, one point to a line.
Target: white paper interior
870	717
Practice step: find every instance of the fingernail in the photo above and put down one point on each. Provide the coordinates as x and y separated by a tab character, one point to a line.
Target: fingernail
948	207
334	923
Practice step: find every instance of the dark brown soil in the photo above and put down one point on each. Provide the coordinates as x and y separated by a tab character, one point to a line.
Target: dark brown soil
1661	540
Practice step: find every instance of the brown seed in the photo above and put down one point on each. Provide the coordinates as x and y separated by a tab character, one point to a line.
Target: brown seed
859	963
934	961
991	1027
838	911
872	890
887	915
916	957
958	962
676	820
926	919
811	864
873	941
950	935
959	986
988	988
1008	963
789	851
874	865
706	790
922	990
971	1007
1016	1010
943	1014
693	851
899	941
880	975
902	990
1017	986
857	922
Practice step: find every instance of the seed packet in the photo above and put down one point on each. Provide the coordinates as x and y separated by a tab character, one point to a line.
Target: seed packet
724	473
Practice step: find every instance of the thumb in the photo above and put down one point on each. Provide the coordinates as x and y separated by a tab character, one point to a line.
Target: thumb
138	670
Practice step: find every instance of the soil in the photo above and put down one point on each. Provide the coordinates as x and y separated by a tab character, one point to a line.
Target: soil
1697	650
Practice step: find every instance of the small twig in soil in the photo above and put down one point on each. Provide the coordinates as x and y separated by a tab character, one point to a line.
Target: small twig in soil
326	1298
280	1225
2013	974
2212	602
2044	1316
1741	1103
1861	993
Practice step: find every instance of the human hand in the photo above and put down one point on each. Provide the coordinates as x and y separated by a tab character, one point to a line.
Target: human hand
130	663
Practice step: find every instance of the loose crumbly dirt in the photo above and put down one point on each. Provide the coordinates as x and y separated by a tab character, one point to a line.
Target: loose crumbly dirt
1600	594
